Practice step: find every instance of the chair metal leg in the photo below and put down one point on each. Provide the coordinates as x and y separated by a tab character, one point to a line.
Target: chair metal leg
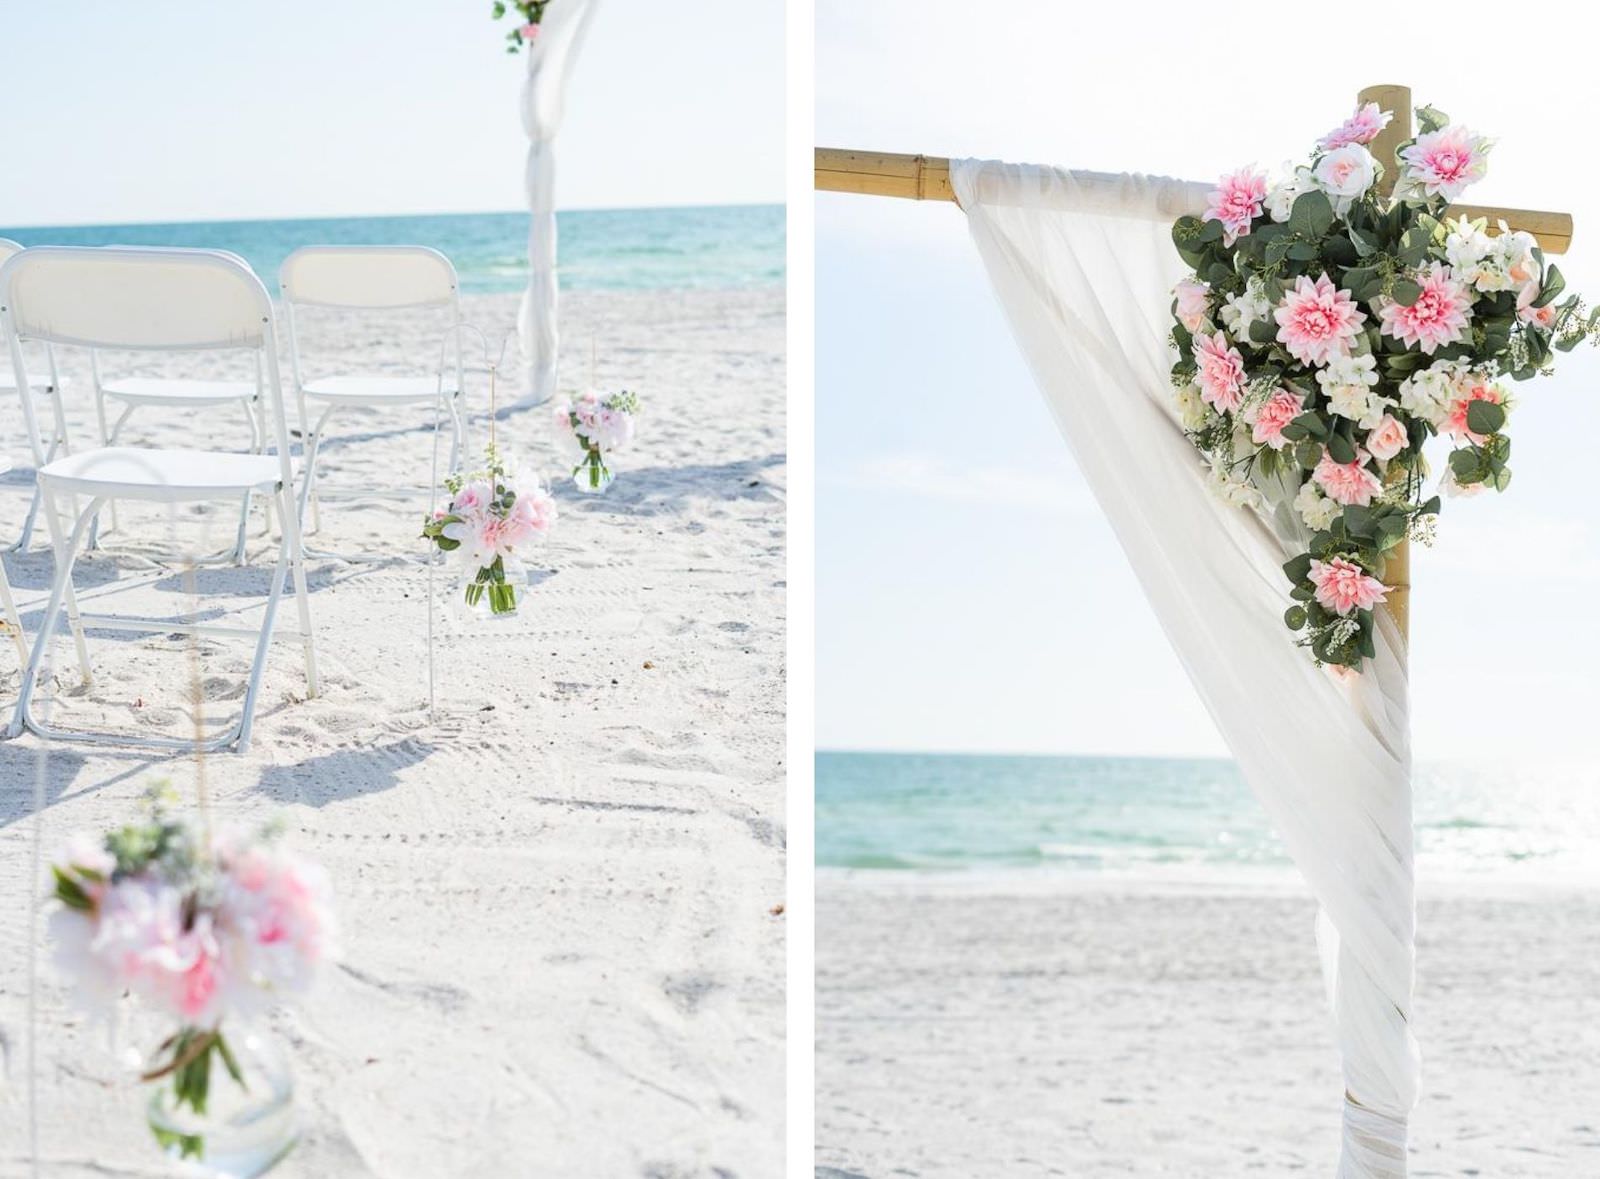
109	438
20	545
263	644
12	619
296	548
60	591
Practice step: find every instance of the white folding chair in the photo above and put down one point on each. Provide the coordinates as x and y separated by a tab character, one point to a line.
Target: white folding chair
58	434
131	393
370	278
159	301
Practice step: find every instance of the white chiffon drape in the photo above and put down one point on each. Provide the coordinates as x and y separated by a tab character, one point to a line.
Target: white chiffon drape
544	97
1083	265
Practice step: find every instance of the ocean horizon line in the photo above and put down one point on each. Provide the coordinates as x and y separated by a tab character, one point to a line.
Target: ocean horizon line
315	217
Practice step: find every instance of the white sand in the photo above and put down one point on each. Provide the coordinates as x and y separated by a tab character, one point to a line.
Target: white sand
559	956
1086	1030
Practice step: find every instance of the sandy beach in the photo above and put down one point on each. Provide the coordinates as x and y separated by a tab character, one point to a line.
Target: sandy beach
1025	1026
561	954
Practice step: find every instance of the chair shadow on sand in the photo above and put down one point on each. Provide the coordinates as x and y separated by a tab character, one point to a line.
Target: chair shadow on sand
654	491
19	768
342	775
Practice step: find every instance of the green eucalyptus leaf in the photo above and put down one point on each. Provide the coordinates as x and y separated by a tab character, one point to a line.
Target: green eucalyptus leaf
1312	214
1485	417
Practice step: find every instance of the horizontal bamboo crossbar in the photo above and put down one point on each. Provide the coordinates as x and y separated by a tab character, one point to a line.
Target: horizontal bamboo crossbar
927	178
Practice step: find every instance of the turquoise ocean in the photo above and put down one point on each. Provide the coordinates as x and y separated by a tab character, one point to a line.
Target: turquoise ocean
1156	817
715	247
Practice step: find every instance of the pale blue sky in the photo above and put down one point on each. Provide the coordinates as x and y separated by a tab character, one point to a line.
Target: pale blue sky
185	110
969	594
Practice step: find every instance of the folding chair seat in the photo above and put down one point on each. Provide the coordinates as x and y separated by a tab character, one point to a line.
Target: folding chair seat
151	300
369	278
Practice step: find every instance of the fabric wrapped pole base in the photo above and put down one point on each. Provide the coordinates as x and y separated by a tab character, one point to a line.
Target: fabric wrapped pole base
1374	1145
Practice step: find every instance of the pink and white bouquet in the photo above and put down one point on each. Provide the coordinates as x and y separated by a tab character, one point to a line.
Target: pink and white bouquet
591	428
204	932
531	13
1327	332
492	519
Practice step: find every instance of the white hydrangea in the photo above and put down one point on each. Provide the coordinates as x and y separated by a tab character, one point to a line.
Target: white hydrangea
1240	311
1281	196
1192	410
1233	488
1433	392
1316	509
1347	382
1489	264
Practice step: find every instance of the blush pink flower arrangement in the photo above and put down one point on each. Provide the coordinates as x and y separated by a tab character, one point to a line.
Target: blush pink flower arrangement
591	428
1326	333
203	931
492	519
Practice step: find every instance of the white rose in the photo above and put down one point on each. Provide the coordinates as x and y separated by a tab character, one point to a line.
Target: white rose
1345	174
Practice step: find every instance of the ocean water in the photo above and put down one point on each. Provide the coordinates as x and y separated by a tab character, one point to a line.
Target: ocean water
716	247
1155	816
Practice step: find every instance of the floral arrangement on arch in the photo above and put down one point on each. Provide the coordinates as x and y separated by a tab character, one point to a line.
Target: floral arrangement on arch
205	931
591	428
1328	332
531	12
492	518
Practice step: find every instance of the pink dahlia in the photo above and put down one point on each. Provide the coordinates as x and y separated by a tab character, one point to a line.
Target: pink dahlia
1343	586
1221	372
1361	127
1317	321
1347	483
1236	201
1439	315
1456	423
1275	413
1444	162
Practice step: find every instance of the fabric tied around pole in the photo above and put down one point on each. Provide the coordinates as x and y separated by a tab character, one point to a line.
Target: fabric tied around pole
544	91
1083	265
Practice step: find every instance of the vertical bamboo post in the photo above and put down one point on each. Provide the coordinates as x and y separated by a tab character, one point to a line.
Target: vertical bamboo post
1397	566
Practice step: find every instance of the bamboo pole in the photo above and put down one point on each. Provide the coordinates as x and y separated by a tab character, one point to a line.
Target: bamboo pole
927	178
1397	563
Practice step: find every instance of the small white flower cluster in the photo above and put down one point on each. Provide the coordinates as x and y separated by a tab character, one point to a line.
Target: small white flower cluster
1502	263
1233	488
1316	509
1192	411
1348	382
1432	394
1240	311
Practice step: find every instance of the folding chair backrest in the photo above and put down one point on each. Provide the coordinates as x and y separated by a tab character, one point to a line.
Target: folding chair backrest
368	277
7	248
141	299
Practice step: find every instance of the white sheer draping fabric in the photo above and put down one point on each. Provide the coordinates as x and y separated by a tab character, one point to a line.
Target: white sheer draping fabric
1083	265
544	94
